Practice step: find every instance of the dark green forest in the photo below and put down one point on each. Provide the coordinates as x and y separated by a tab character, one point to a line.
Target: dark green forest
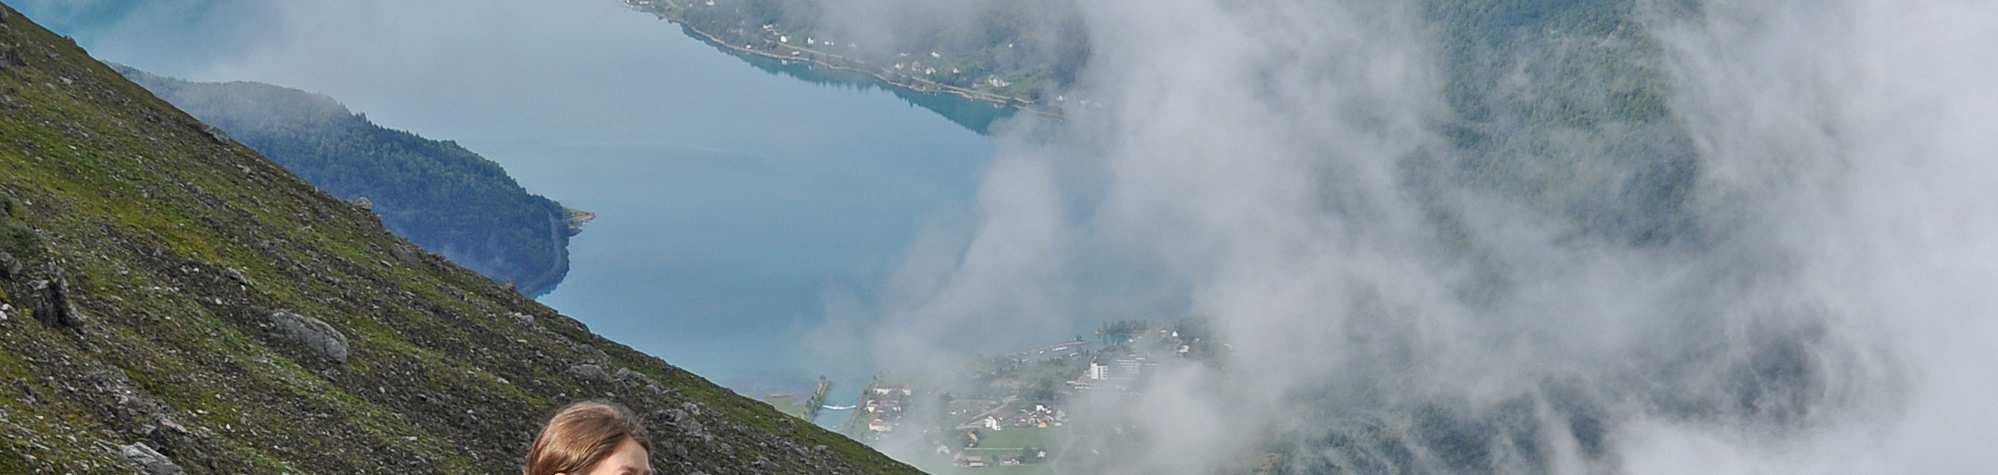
437	194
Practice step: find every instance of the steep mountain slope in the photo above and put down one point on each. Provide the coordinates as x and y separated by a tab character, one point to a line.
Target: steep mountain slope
434	193
171	295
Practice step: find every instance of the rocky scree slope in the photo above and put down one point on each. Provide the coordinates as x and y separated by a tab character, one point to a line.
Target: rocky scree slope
175	303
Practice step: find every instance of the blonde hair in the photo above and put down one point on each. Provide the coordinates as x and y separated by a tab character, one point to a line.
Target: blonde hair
581	435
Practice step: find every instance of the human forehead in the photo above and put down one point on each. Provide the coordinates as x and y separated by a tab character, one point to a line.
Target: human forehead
630	458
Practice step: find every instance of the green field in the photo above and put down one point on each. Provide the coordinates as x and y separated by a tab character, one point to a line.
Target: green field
1015	439
1024	469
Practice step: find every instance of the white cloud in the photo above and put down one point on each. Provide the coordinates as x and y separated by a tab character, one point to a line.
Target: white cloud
1824	311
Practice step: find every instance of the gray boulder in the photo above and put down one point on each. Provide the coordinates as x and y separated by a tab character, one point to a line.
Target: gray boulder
629	376
217	134
9	266
312	333
688	425
149	460
237	275
10	58
57	307
588	372
407	254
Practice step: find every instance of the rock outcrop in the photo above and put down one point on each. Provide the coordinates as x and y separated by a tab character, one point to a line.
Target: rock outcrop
149	460
9	265
237	275
56	307
315	335
588	372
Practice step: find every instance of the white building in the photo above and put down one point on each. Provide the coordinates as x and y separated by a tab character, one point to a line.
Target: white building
992	422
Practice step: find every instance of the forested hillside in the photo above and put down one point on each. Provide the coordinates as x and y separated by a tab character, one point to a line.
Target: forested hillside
437	194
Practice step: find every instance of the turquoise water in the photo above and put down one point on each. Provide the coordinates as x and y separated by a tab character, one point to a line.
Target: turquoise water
734	201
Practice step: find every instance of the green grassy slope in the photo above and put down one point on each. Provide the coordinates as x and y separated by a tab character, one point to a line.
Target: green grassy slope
176	246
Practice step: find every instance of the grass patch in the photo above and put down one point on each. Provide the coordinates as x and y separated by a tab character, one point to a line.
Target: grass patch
1012	438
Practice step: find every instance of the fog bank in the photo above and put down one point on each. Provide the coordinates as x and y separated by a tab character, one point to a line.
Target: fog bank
1287	170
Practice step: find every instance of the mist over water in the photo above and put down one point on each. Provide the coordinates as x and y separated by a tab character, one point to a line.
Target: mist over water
1286	169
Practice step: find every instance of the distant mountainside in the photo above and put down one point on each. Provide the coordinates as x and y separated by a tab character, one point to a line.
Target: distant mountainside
1019	53
1540	90
434	193
171	301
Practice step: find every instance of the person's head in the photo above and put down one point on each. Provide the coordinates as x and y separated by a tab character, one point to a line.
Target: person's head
591	438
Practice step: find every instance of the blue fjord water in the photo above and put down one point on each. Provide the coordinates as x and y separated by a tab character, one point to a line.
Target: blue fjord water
733	201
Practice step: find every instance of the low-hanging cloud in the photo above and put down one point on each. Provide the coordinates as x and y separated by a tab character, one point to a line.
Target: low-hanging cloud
1287	170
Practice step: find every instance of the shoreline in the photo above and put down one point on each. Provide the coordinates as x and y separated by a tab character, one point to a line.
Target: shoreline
576	220
559	232
814	57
